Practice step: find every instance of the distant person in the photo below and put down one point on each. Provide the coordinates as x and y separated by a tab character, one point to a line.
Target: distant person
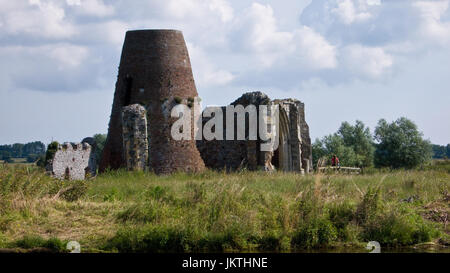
335	161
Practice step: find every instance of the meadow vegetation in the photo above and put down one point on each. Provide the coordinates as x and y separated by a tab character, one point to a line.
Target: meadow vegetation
121	211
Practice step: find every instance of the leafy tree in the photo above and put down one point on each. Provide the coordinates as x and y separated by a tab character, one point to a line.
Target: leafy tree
448	151
439	151
41	161
6	156
51	150
352	144
400	144
36	147
100	140
318	151
17	150
360	139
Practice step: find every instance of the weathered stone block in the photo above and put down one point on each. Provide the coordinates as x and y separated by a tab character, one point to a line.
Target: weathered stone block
135	138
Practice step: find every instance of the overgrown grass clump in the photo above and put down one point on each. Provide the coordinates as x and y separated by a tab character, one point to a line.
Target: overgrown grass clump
34	241
122	211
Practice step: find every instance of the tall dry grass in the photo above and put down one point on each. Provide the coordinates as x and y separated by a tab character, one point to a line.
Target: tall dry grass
219	211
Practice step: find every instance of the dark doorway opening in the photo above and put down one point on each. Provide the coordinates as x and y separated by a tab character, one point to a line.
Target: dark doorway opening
67	174
276	159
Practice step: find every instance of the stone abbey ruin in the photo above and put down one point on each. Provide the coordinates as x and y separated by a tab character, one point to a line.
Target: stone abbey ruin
294	149
154	76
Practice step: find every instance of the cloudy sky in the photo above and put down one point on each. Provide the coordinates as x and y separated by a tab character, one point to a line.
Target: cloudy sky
346	59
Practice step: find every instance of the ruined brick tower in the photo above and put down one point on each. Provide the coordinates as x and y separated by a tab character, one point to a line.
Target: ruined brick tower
155	72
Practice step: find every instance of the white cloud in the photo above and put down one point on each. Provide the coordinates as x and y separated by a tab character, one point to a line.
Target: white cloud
37	18
366	61
223	8
206	74
432	26
188	9
68	55
92	7
260	35
59	67
234	41
315	50
348	13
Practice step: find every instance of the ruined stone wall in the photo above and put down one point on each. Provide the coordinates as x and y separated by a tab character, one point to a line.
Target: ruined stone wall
155	71
221	154
293	150
235	154
306	140
292	109
135	138
74	161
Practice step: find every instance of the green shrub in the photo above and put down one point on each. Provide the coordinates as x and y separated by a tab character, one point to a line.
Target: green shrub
3	240
397	229
370	207
69	190
78	189
341	216
273	241
150	239
111	196
51	150
178	100
33	241
317	232
231	239
41	161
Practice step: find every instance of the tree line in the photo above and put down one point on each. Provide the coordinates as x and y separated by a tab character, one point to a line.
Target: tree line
31	151
395	145
441	151
38	152
398	144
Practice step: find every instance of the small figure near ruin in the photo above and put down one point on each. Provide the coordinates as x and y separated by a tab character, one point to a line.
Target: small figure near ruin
73	161
335	161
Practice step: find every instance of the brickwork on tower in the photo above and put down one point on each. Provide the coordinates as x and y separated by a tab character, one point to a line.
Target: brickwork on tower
155	71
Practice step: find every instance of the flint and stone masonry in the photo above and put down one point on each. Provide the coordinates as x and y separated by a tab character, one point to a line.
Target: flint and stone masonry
73	161
135	138
294	150
154	76
155	72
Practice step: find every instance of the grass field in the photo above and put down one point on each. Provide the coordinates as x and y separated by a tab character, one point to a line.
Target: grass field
218	212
